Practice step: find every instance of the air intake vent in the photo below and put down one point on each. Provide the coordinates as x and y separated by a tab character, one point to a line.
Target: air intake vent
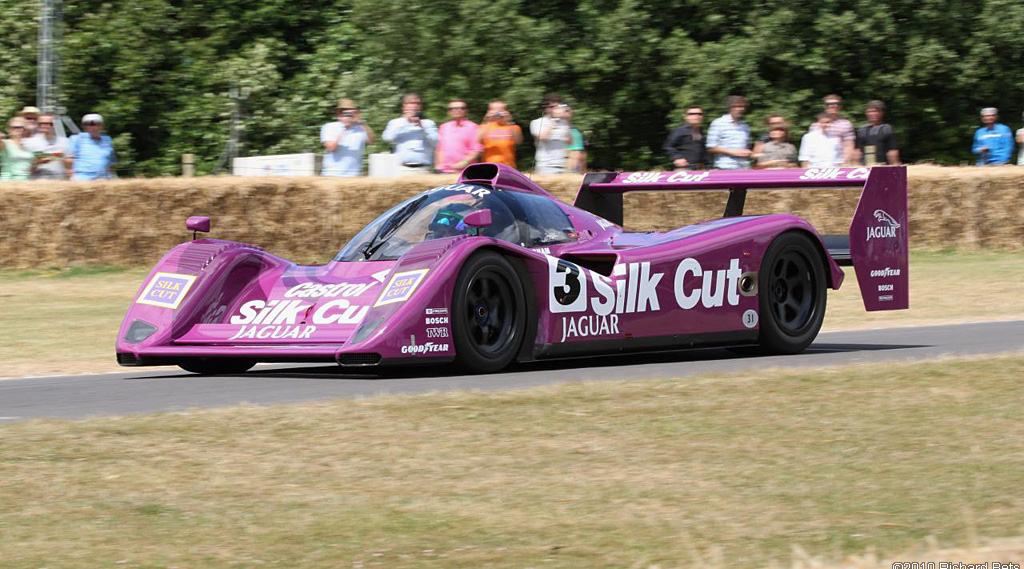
126	359
366	359
480	173
194	257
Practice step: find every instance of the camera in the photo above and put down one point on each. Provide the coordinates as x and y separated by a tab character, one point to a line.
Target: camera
348	114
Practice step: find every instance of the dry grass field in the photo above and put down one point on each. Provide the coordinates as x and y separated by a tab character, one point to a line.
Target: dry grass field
66	321
817	468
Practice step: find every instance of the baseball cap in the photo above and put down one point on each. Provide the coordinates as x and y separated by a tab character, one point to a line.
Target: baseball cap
92	117
29	111
990	111
347	104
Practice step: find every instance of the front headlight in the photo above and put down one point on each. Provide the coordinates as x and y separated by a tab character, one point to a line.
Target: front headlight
138	332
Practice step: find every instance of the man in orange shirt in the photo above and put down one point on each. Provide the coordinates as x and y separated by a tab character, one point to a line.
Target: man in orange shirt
499	135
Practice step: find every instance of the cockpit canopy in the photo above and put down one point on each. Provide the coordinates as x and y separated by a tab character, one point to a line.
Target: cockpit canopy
517	217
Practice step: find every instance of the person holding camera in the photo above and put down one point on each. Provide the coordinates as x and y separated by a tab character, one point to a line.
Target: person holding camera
498	135
552	133
413	136
345	141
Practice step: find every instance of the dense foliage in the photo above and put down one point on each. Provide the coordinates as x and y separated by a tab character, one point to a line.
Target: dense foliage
160	70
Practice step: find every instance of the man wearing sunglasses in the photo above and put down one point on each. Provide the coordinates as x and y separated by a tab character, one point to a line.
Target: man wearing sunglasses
457	145
685	144
31	116
50	150
91	153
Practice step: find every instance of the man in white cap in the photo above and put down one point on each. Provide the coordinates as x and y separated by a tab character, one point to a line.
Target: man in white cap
91	153
993	142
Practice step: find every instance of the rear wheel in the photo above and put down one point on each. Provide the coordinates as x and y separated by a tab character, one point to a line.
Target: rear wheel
488	313
792	294
218	366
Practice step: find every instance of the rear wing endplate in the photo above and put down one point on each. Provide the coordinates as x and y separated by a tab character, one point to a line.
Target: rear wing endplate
878	242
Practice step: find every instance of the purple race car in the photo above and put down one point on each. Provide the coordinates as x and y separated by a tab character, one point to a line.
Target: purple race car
493	269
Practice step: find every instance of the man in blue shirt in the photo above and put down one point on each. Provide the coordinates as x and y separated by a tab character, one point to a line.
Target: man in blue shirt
344	141
90	153
729	137
414	137
993	143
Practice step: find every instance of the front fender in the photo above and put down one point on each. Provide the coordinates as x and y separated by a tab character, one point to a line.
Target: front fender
194	282
411	317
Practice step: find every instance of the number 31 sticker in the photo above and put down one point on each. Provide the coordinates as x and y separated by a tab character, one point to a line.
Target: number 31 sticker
750	318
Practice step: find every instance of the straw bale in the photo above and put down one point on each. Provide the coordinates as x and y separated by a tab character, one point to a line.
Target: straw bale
132	222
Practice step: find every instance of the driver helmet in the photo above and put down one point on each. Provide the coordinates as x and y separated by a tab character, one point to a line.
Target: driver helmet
448	221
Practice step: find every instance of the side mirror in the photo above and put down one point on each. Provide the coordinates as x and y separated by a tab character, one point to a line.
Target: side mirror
478	219
198	224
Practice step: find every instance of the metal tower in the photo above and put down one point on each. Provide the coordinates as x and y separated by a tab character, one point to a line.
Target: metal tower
48	65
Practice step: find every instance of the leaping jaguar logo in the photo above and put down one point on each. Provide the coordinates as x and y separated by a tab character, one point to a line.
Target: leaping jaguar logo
887	229
882	216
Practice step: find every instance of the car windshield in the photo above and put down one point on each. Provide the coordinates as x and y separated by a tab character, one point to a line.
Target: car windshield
517	217
434	214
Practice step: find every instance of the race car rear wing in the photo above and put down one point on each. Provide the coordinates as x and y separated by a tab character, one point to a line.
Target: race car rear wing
878	242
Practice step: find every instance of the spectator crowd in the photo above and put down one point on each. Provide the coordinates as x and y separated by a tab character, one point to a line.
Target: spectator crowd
420	145
33	149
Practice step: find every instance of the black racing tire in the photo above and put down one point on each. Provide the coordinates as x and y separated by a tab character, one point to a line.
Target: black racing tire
217	366
488	313
792	293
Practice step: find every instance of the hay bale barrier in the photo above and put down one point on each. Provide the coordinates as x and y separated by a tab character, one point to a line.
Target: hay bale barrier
132	222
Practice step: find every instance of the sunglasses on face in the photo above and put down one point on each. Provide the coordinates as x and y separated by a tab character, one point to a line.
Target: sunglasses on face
45	123
832	104
93	124
17	128
694	114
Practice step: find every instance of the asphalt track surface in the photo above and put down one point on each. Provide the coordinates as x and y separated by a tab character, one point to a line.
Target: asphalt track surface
159	389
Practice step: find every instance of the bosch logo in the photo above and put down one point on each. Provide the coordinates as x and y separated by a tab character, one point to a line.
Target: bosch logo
436	320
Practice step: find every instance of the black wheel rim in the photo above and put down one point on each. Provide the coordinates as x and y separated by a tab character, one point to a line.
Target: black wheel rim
489	312
792	292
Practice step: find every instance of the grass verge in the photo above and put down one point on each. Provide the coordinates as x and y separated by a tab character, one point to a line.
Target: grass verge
66	321
667	473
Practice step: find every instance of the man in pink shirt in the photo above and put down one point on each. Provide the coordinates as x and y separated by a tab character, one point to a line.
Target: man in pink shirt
457	145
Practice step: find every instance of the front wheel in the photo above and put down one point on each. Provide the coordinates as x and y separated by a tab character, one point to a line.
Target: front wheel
488	313
217	366
792	291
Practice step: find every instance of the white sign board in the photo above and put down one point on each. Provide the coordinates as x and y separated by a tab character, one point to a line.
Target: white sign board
279	165
384	165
